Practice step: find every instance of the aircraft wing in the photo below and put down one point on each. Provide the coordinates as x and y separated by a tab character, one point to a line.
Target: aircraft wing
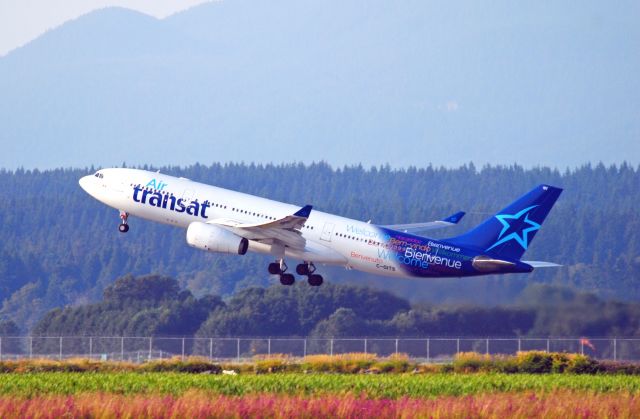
418	227
284	231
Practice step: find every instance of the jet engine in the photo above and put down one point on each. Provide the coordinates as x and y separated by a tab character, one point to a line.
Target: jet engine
215	239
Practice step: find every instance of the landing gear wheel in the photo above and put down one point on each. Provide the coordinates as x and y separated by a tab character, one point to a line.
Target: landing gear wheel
274	268
306	268
315	280
287	279
123	227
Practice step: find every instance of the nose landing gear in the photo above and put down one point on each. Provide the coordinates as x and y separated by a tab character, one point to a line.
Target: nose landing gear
124	226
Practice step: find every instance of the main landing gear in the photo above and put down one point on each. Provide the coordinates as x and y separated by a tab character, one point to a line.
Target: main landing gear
279	268
305	269
124	226
308	269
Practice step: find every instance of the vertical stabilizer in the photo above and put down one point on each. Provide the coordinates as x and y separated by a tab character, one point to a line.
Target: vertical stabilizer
508	234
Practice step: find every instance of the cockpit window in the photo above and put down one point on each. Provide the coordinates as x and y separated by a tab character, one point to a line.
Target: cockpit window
99	175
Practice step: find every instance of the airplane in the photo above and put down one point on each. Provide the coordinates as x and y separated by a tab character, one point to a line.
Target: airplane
224	221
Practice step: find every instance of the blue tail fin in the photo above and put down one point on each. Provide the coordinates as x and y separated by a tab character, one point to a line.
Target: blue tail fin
508	234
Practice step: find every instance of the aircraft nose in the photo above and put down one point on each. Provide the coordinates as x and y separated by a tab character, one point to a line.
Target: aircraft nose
85	183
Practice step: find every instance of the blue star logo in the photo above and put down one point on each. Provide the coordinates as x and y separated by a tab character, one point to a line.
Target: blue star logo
518	225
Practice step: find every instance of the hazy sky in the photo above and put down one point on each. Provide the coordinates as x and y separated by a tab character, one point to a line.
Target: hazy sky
407	82
23	20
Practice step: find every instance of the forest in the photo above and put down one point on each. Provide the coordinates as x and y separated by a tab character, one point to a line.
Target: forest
152	305
61	248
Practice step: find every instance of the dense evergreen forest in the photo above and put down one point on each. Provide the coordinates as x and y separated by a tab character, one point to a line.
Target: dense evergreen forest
61	247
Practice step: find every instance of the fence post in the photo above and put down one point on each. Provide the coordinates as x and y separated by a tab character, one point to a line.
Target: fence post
487	346
519	345
365	345
269	346
547	345
60	353
457	346
331	347
150	346
305	347
238	349
122	348
182	349
210	349
396	346
615	349
0	348
90	347
30	347
428	349
581	347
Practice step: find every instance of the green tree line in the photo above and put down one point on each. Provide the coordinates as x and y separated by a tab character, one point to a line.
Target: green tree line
153	305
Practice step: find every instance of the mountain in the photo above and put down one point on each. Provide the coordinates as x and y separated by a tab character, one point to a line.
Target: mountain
372	82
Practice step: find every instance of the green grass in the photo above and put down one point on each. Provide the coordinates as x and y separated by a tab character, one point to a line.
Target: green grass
373	386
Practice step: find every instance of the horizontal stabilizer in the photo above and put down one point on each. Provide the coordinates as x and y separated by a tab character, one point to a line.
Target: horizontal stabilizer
430	225
540	264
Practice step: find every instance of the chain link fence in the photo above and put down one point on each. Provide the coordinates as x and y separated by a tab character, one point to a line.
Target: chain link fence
435	349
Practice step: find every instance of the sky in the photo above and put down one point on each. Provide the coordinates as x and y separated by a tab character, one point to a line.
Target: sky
24	20
409	82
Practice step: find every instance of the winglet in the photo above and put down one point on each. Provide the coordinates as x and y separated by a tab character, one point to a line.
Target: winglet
304	211
455	218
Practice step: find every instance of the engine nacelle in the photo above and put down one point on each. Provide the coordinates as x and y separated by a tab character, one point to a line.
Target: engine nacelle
215	239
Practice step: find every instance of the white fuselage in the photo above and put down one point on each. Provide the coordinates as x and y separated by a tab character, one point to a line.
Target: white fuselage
330	239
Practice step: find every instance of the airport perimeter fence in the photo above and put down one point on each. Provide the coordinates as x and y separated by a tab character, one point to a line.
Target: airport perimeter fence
432	349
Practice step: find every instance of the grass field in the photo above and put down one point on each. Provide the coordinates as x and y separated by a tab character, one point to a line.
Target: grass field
346	386
368	386
198	404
